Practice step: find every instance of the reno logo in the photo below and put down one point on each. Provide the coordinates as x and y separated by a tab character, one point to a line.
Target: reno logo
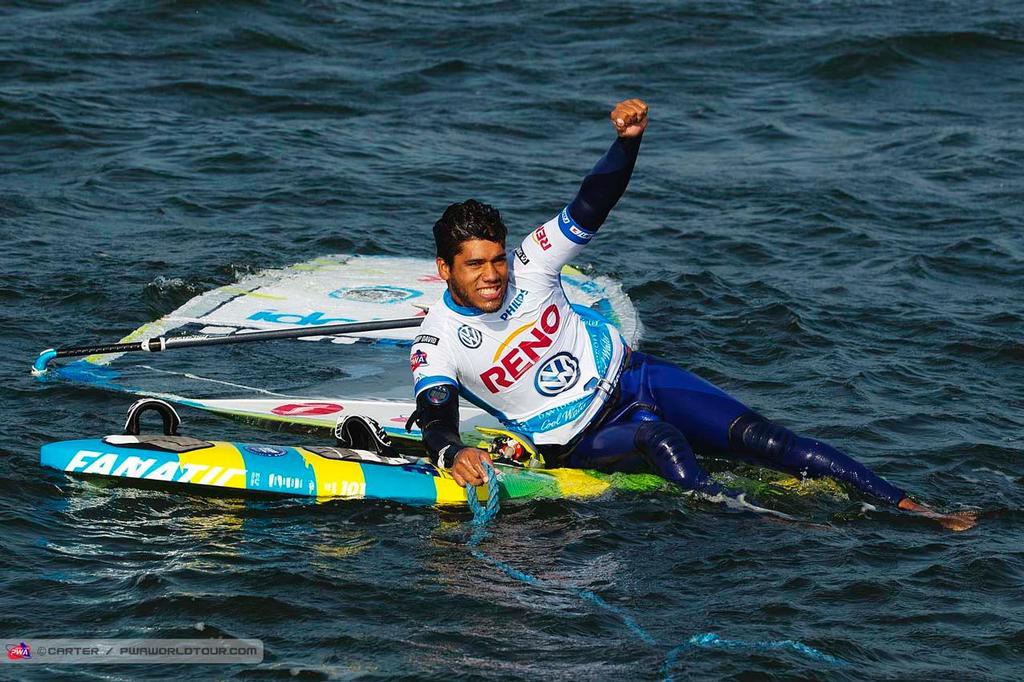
541	237
470	338
557	375
514	305
266	450
509	367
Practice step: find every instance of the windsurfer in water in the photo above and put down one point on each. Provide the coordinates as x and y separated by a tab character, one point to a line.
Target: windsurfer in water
506	338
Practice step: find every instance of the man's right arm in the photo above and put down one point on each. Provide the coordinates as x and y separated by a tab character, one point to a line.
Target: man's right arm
437	414
437	409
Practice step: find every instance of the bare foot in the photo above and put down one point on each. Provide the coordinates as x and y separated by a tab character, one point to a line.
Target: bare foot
958	521
954	522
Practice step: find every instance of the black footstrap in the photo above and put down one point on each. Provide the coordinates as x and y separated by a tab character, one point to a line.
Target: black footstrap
171	420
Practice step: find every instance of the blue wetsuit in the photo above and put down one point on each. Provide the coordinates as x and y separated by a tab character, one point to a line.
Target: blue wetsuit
656	412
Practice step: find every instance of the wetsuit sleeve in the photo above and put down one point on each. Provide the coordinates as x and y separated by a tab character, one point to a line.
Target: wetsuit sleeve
605	184
557	241
435	385
437	414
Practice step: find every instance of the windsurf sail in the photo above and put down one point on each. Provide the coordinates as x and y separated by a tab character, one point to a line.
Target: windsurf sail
326	290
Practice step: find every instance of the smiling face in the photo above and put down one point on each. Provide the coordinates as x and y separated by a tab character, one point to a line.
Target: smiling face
478	275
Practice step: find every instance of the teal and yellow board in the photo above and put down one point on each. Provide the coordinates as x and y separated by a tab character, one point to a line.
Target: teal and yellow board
299	471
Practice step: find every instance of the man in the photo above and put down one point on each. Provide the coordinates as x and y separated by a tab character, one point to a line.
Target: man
506	338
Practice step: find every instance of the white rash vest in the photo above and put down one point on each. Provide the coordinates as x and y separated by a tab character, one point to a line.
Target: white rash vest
541	365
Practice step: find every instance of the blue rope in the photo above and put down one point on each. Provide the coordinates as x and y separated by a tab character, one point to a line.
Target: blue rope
483	514
710	640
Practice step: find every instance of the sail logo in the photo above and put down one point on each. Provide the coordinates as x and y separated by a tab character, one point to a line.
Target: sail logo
313	319
381	294
311	409
509	367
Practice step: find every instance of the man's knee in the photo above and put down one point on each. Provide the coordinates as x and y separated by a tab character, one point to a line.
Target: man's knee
667	452
655	431
753	435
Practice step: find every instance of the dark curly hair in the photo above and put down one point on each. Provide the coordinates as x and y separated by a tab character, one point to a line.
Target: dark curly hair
462	222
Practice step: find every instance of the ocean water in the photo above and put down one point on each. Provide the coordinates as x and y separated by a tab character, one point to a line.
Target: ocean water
825	220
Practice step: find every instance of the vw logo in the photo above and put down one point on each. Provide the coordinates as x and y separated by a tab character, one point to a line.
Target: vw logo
470	338
558	374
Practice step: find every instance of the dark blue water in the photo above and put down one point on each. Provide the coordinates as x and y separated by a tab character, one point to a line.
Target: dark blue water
825	220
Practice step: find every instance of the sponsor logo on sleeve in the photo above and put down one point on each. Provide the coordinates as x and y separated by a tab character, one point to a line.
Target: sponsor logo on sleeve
511	365
523	258
585	236
470	337
438	395
417	359
541	237
426	338
571	230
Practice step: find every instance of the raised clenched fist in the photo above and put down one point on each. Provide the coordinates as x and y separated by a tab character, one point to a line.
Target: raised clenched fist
629	117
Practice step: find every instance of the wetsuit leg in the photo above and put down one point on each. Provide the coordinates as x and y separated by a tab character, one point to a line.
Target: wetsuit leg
713	420
779	448
643	444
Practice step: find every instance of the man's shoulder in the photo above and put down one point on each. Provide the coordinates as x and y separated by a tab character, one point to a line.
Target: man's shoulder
435	325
